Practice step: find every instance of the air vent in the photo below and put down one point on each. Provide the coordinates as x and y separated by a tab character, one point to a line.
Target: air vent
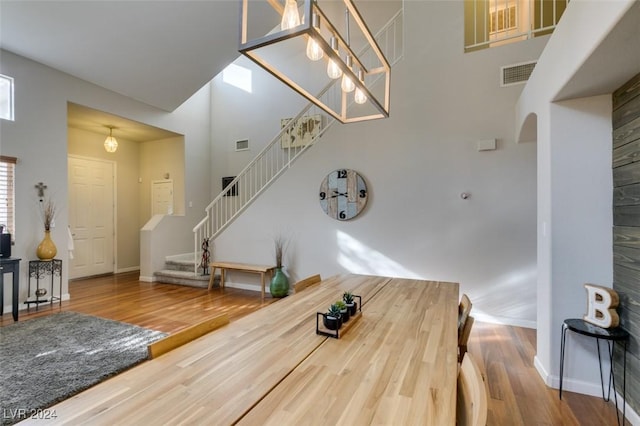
242	145
516	73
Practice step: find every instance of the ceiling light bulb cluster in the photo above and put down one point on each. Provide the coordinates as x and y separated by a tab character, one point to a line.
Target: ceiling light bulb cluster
291	19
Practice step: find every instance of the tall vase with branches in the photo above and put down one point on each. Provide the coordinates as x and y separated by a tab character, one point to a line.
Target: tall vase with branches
47	249
279	286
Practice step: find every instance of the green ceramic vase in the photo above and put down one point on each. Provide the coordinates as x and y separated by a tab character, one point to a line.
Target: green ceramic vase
279	286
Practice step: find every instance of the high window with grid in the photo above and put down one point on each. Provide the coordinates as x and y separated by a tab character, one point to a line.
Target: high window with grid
490	23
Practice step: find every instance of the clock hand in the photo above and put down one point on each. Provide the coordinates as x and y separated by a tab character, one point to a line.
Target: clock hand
337	194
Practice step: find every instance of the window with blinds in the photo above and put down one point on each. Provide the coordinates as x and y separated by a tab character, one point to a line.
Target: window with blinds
7	205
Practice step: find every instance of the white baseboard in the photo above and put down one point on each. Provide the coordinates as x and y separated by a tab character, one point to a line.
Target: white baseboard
541	370
151	279
130	269
585	388
23	306
630	414
250	287
504	320
568	384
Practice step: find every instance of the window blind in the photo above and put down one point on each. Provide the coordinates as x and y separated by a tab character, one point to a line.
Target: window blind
7	204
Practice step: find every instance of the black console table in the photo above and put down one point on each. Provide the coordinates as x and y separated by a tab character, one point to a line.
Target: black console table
10	265
46	271
611	335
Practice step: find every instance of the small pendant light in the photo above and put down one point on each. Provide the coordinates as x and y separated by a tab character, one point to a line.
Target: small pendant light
110	143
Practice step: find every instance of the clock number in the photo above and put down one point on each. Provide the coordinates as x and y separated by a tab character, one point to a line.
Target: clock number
342	174
323	195
342	215
363	193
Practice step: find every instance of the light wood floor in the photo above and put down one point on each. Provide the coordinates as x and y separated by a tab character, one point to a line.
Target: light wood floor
517	395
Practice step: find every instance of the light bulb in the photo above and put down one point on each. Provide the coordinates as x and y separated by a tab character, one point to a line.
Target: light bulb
314	52
360	97
333	70
110	144
347	84
290	17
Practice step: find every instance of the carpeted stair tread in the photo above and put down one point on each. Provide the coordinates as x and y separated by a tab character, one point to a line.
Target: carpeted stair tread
187	278
179	265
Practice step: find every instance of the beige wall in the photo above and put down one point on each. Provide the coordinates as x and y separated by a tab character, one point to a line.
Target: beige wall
158	158
137	165
127	158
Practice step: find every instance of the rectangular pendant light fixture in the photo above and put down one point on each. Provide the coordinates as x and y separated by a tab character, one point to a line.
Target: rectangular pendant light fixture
314	43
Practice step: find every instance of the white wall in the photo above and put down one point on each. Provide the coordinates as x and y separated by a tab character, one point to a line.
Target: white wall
238	115
38	138
574	189
416	164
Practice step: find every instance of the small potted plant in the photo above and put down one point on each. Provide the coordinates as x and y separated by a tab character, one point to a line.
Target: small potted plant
332	319
347	297
344	311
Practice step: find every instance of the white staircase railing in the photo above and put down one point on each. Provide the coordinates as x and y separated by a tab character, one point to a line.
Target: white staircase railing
275	158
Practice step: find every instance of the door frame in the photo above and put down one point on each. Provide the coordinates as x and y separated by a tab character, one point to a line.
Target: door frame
114	168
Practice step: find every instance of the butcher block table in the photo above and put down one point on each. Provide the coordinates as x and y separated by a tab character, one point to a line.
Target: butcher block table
397	364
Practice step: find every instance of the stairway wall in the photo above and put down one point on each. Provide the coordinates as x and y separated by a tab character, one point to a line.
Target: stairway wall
416	164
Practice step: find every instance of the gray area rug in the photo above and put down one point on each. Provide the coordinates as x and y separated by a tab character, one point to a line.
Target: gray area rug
48	359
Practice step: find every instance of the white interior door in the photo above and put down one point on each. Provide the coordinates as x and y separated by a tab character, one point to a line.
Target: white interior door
162	197
91	216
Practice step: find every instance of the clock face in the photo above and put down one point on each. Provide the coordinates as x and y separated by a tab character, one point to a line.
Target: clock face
343	194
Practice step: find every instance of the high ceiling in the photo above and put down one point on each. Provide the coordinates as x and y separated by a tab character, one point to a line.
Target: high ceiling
157	52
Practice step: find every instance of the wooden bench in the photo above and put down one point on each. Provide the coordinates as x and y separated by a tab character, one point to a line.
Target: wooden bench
242	267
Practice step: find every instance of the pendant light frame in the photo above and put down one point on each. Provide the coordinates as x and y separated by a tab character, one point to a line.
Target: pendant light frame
344	114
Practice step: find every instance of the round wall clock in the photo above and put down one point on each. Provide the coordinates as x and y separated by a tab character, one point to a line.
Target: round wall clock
343	194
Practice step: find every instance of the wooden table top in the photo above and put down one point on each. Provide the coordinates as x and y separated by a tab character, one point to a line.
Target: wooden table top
393	363
397	365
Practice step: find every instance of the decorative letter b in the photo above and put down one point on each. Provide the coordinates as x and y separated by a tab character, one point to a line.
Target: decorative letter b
601	304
